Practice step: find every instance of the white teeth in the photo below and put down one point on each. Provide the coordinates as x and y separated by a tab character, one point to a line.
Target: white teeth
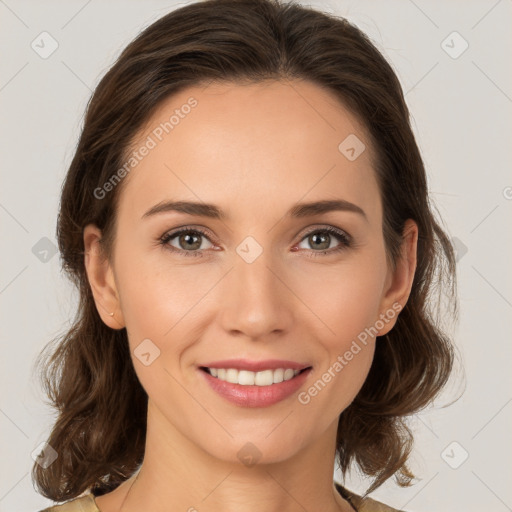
278	376
247	378
288	374
232	375
263	378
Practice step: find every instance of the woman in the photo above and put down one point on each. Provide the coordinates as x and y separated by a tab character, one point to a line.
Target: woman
247	220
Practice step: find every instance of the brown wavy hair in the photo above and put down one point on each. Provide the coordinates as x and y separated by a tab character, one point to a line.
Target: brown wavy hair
88	376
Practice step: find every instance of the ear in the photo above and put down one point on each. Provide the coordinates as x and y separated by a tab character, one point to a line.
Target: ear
101	279
399	281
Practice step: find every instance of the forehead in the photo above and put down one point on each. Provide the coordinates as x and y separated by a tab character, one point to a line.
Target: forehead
249	146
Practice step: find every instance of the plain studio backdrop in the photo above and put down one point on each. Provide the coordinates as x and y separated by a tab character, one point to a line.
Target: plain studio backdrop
451	60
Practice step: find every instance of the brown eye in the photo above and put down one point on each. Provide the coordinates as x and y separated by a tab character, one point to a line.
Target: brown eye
186	241
320	240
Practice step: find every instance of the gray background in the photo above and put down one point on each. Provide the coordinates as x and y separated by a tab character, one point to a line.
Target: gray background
461	107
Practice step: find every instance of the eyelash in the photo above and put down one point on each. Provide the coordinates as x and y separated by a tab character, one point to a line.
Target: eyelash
345	239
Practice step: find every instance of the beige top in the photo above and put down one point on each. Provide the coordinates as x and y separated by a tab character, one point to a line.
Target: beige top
87	503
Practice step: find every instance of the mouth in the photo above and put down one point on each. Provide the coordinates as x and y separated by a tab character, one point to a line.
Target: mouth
262	388
262	378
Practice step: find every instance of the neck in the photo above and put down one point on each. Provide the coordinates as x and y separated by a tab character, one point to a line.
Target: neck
179	475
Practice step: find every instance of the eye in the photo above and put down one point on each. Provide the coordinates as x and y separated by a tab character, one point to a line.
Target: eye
189	241
320	240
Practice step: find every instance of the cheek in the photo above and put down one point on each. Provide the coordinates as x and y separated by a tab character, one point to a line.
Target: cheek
165	302
348	311
345	299
158	305
346	305
148	289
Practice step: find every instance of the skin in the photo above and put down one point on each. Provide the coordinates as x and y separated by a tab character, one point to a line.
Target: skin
255	151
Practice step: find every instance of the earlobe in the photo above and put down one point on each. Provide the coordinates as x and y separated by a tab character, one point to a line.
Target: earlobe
399	284
101	279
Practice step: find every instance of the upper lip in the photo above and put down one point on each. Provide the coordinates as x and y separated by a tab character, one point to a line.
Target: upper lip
256	366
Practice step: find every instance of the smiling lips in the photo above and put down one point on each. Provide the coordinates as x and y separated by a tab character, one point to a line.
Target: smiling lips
255	384
247	378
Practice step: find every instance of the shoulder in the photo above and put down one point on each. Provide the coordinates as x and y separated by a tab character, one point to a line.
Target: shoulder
366	504
81	504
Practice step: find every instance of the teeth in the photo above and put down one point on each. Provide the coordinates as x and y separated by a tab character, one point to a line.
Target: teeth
247	378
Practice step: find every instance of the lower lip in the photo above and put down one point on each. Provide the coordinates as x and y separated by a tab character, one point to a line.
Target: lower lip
256	396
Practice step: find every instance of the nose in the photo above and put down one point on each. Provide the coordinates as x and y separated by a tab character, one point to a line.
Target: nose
256	302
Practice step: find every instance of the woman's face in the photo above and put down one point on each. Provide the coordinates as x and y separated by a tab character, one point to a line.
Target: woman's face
264	280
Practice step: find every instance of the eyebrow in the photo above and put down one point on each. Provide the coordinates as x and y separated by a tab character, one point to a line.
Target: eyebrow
214	212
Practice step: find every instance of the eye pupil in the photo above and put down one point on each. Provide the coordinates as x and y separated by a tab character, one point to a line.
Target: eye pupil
321	245
185	239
